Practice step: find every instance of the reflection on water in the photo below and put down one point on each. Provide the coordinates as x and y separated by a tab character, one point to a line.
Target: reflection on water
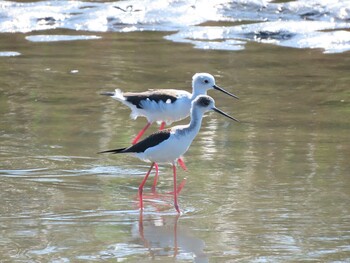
164	236
51	224
274	187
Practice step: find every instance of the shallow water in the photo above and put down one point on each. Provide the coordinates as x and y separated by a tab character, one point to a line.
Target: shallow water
273	188
216	24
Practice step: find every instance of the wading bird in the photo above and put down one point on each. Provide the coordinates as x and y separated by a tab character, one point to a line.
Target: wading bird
165	106
166	146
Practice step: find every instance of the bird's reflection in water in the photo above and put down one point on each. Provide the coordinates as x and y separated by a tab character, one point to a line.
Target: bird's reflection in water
163	236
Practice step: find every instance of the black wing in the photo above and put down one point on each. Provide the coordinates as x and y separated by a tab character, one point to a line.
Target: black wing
153	95
152	140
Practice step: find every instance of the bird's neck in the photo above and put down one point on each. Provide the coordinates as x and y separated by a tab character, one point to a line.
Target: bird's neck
194	126
197	92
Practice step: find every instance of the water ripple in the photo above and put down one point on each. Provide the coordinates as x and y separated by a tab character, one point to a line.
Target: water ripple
298	24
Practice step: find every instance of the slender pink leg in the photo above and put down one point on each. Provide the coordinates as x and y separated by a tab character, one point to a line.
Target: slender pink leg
181	185
139	135
162	125
175	191
155	178
142	185
182	164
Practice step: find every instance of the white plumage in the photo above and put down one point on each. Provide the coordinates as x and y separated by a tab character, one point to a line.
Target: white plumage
167	105
167	146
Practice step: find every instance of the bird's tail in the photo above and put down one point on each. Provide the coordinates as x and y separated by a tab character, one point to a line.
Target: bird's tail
117	94
107	93
114	151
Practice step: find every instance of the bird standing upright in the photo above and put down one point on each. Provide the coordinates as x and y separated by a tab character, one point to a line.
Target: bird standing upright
165	106
166	146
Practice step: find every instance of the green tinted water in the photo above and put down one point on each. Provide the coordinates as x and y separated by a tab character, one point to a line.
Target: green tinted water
273	188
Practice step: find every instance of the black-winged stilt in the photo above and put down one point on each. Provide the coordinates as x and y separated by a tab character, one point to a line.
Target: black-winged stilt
166	146
165	105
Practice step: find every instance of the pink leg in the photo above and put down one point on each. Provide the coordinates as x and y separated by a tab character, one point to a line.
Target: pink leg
182	164
181	185
139	135
142	185
155	178
175	190
162	125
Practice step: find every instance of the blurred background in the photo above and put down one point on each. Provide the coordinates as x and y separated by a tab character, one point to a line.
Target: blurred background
273	188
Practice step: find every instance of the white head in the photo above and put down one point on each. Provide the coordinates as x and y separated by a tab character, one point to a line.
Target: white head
206	103
202	82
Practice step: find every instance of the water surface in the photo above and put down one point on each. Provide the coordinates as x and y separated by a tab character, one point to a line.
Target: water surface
216	24
273	188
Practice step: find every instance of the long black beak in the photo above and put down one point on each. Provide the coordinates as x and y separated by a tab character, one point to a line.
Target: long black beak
225	114
226	92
